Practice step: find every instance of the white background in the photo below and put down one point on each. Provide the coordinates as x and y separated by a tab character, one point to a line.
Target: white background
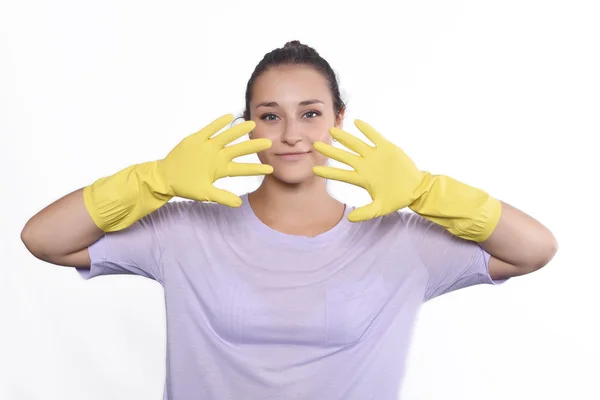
501	95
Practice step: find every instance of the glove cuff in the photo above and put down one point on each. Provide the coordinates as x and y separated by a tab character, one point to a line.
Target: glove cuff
465	211
116	202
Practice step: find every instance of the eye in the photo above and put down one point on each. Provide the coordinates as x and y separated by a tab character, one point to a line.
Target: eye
268	116
315	113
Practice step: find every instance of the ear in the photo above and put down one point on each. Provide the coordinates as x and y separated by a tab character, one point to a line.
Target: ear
339	120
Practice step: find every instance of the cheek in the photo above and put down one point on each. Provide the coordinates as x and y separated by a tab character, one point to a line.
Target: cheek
263	157
318	158
320	134
263	130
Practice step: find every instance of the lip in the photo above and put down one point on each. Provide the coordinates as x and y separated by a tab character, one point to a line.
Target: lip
292	156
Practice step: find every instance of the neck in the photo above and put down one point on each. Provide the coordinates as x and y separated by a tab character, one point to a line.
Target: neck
286	206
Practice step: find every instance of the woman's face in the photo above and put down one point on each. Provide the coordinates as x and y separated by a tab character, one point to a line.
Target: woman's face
292	105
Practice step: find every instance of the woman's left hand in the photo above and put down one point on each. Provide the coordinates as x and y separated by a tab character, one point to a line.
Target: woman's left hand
390	177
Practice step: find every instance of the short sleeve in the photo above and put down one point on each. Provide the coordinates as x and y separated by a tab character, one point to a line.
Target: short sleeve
136	250
451	262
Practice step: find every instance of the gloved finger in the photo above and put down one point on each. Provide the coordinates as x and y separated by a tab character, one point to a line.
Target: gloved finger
339	174
365	213
233	133
224	197
205	133
248	169
248	147
350	141
369	132
337	154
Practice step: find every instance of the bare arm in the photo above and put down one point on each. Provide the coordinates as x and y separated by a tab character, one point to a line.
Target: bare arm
61	232
519	245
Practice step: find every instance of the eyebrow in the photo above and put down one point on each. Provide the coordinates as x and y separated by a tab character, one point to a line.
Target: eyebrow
302	103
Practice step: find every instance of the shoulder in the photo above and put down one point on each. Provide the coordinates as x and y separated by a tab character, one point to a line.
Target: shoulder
207	210
179	213
170	213
191	209
391	226
416	223
400	220
406	226
205	215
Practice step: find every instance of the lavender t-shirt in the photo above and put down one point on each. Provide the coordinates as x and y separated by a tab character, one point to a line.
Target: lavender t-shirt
253	313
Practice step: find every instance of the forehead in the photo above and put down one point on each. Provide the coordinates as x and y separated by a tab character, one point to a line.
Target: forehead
292	83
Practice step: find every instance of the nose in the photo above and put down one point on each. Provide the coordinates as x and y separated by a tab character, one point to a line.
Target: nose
292	133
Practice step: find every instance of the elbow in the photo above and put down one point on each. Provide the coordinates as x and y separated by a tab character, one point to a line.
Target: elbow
26	235
552	249
547	249
30	241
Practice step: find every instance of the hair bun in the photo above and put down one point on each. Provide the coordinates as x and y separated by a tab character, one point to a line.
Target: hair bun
293	44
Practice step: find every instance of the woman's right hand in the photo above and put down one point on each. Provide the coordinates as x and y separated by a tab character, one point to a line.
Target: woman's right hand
191	168
189	171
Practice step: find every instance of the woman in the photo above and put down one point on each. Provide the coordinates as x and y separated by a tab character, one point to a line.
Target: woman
286	292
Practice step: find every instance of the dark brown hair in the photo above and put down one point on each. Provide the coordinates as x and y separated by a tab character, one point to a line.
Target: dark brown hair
296	53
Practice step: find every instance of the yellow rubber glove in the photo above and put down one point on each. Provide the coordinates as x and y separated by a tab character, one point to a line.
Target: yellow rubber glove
394	182
188	171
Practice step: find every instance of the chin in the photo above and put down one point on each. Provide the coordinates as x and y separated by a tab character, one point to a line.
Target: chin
294	177
294	173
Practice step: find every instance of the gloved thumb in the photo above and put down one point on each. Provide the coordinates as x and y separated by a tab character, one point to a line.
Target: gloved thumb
364	213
